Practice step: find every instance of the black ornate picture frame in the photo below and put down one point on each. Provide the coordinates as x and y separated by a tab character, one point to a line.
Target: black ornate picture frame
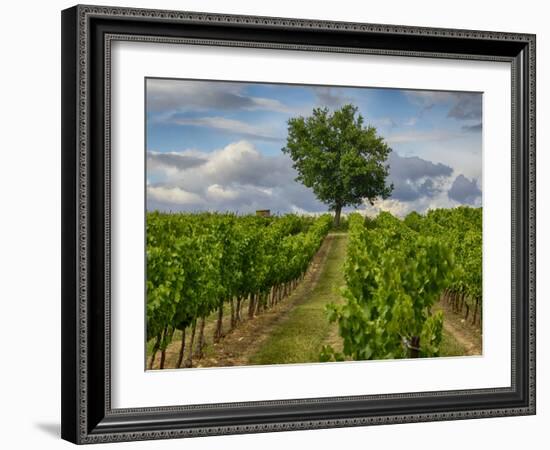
87	35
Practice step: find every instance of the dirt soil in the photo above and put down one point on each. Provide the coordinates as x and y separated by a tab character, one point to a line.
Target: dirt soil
466	334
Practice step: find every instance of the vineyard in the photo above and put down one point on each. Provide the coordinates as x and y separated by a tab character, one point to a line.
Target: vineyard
198	264
395	273
268	290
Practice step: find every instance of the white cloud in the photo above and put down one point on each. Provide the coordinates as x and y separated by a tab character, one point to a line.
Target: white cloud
413	177
172	195
217	192
234	178
402	208
264	132
231	157
395	207
239	178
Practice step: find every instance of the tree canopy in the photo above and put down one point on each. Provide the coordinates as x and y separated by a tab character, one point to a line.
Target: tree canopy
340	158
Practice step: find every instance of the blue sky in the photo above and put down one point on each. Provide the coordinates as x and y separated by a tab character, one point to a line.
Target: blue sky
217	145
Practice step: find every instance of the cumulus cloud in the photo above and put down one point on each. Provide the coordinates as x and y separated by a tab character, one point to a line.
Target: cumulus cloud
243	164
173	195
235	178
217	192
402	208
414	168
464	190
414	177
396	207
242	179
422	204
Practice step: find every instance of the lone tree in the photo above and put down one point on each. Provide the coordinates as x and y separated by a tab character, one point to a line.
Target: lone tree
342	160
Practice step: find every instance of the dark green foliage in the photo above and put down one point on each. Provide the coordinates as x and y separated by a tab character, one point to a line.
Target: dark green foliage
342	160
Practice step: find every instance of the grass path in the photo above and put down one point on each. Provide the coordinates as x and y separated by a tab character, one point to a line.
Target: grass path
305	329
300	336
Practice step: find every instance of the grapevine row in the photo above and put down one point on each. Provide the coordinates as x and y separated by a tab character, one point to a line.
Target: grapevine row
461	229
197	263
395	271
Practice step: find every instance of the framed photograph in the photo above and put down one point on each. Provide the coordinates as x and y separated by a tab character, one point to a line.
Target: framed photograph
278	224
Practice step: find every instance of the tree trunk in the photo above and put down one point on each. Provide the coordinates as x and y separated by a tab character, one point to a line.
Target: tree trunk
163	351
219	324
154	355
251	306
238	310
201	343
475	311
260	303
233	317
189	360
182	349
272	296
414	349
337	212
